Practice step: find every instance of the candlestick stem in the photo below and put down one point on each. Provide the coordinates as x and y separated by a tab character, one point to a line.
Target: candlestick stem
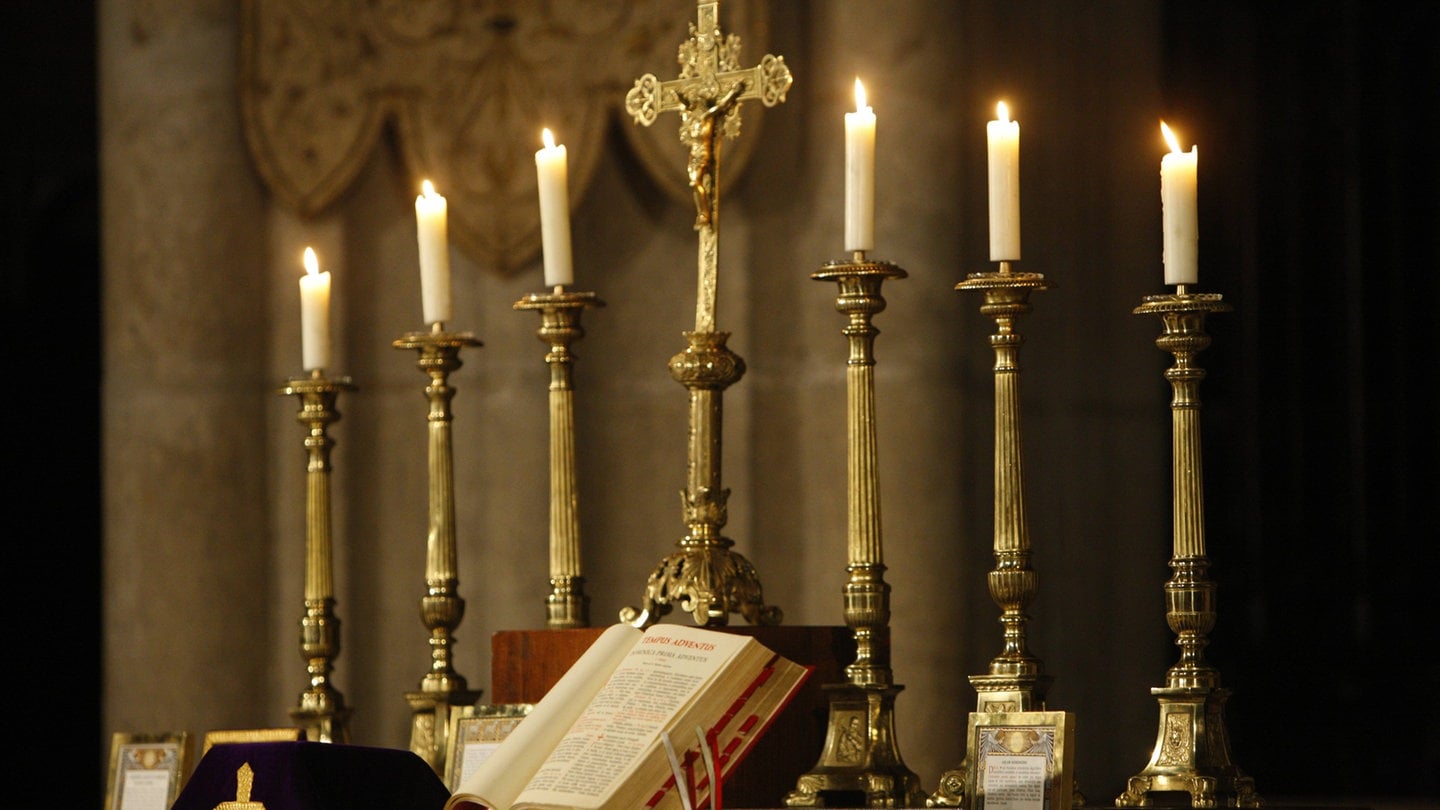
567	606
1016	678
1192	747
321	711
441	609
861	757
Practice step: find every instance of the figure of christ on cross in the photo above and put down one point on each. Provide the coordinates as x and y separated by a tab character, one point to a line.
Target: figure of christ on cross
703	157
707	95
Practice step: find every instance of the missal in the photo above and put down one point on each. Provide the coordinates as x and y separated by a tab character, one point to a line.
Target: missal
599	737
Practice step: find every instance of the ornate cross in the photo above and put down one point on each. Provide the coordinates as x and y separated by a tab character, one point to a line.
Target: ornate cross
707	95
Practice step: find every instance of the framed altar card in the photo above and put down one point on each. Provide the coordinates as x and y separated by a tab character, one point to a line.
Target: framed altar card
250	735
475	732
146	770
1021	760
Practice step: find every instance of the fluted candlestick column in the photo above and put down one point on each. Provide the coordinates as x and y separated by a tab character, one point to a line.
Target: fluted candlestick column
321	711
567	605
441	609
1016	680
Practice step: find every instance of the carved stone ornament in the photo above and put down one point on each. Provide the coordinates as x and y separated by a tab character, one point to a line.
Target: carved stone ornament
464	87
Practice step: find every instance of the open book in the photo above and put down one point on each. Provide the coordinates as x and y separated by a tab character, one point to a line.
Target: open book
597	739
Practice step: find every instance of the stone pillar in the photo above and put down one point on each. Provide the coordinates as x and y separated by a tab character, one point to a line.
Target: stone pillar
185	389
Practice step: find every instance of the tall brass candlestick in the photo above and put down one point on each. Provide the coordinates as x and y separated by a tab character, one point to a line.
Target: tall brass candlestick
567	606
1016	680
441	609
1192	747
705	577
321	711
861	757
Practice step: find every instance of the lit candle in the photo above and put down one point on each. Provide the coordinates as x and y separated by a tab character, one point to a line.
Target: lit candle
314	314
430	218
551	175
860	174
1181	221
1003	137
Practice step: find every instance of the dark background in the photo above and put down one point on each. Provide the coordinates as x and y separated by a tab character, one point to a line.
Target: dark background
50	286
1324	207
1319	422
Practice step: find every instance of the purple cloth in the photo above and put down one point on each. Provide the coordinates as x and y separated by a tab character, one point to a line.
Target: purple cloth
314	776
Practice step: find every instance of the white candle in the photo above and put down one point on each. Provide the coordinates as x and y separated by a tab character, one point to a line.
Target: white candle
314	314
551	175
1003	137
1181	220
431	218
860	174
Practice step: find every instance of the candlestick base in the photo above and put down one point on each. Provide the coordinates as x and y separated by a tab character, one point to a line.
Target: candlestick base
860	765
326	723
321	711
1192	754
997	693
430	723
566	606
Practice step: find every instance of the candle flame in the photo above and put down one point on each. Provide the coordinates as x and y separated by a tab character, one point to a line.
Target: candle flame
312	264
1170	138
427	188
860	99
1002	112
548	138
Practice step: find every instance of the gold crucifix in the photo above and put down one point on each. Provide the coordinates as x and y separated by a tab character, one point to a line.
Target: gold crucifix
707	95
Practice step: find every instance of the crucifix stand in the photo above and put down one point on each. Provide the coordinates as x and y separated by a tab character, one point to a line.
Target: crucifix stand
705	577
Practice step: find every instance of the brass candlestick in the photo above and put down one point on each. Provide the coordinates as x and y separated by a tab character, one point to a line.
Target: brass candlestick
321	711
567	606
861	759
441	609
1016	680
1192	748
705	577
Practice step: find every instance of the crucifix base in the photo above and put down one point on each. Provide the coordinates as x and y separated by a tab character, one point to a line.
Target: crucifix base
1192	754
709	582
860	765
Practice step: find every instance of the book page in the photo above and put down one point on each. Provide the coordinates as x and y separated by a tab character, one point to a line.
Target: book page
499	779
655	682
734	732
